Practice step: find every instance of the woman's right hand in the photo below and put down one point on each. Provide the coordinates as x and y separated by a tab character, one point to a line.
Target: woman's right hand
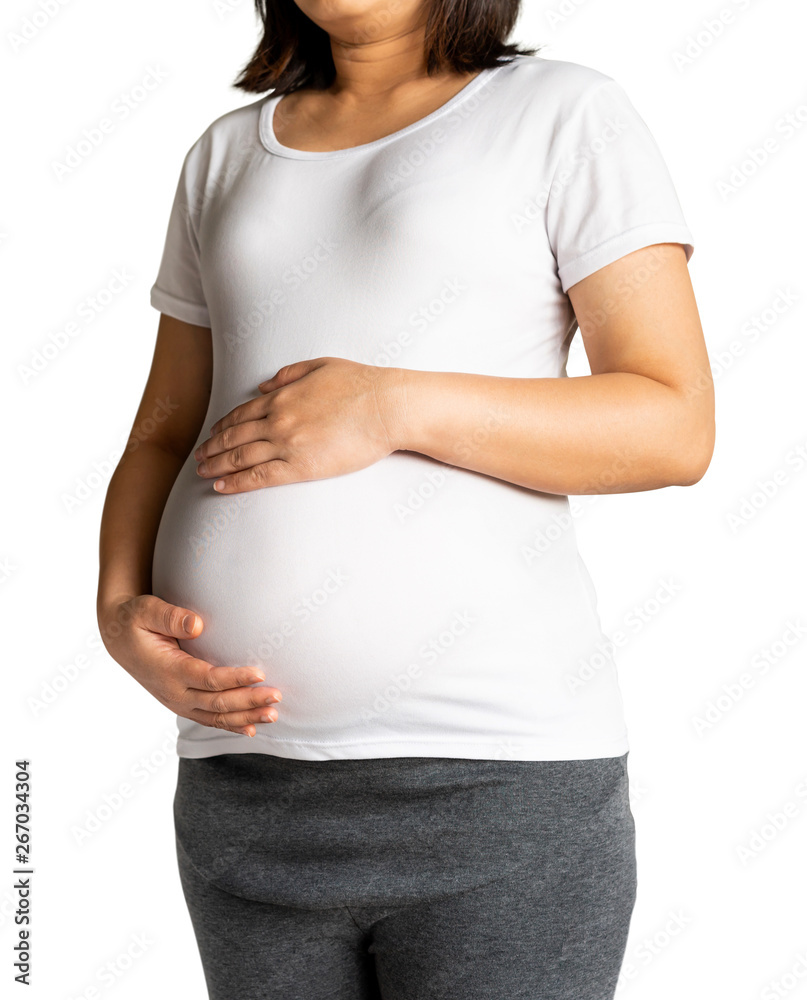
141	634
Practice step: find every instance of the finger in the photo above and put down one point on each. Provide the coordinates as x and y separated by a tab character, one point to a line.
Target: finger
200	675
290	373
233	721
252	409
253	451
236	699
275	472
159	616
233	437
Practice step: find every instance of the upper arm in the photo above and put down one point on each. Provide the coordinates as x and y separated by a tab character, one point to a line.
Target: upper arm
638	314
177	391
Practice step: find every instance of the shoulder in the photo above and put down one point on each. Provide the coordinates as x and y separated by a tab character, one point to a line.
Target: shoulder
234	131
557	87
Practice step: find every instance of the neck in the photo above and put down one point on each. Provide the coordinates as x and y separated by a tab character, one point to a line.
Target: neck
372	65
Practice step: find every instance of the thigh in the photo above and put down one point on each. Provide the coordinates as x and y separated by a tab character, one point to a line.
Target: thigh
556	929
254	950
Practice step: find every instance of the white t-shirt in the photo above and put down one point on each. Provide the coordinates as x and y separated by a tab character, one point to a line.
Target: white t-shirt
411	608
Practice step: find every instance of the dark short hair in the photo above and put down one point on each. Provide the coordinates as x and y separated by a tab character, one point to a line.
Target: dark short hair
464	35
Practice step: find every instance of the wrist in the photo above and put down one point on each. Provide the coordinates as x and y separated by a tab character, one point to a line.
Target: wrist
107	604
400	411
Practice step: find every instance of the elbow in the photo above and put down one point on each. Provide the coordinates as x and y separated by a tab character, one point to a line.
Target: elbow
696	457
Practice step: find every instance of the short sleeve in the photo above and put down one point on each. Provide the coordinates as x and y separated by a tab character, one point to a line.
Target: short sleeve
611	191
177	290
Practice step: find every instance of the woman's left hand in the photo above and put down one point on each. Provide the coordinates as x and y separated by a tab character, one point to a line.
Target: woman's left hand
315	419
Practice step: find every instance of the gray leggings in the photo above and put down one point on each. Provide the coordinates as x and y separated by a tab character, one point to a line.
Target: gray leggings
406	878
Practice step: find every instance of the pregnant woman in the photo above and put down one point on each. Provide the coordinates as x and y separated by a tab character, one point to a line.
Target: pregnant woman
343	552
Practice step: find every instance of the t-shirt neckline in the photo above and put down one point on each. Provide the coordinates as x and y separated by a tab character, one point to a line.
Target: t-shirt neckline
271	143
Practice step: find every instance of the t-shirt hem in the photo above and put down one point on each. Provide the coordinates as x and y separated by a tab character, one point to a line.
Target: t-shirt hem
470	750
619	246
188	312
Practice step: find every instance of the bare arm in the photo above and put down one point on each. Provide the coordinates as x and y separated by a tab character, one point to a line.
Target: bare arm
175	401
643	419
139	629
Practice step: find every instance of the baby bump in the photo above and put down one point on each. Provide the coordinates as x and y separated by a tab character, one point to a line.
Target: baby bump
372	625
310	581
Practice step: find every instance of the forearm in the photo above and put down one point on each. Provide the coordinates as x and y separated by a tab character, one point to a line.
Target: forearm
609	433
133	507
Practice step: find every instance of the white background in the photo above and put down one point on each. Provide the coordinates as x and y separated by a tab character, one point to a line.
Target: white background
708	921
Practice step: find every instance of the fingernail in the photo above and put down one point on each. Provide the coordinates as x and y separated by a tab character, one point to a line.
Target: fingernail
188	622
259	675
